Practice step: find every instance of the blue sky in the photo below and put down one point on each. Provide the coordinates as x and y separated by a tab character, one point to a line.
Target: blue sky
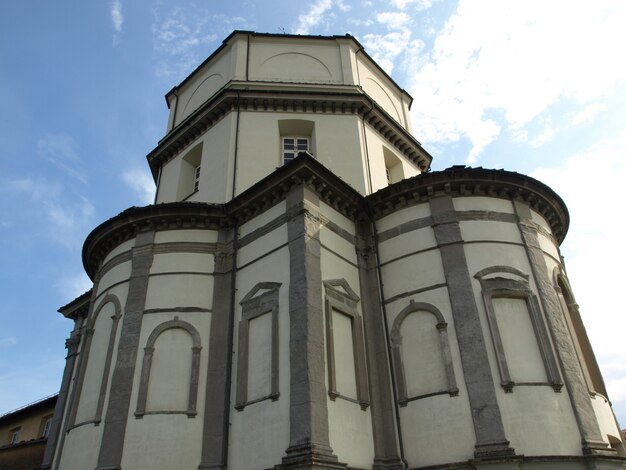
531	86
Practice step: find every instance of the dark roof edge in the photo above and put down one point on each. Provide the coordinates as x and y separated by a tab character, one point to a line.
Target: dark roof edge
77	306
34	404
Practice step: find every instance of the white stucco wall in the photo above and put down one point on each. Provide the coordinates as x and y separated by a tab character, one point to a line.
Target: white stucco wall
262	428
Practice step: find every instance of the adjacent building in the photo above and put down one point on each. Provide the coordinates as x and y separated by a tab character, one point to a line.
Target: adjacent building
24	433
306	294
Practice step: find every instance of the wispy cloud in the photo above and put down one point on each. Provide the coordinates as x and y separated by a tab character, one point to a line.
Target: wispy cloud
182	37
313	17
117	18
71	287
481	63
61	150
141	182
8	342
67	216
420	5
385	48
588	114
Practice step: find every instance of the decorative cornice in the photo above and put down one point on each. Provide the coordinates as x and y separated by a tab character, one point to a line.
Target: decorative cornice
79	307
124	226
464	181
259	96
304	169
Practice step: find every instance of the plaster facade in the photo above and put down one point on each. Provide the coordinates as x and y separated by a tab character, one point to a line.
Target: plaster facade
348	309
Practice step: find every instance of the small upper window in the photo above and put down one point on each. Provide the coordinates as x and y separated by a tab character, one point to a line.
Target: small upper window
46	428
15	435
292	146
196	178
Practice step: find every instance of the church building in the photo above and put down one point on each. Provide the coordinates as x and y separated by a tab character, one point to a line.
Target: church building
306	294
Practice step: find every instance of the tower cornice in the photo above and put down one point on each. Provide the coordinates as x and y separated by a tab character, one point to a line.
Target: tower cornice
287	97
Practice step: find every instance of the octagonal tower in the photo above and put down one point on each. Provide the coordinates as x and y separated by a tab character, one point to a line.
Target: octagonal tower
304	294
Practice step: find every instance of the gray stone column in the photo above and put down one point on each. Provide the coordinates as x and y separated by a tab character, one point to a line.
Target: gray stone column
309	446
72	352
573	376
386	447
217	398
491	441
112	446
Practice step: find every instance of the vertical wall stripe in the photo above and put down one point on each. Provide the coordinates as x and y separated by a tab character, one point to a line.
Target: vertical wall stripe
217	398
308	413
491	441
53	437
386	446
112	445
572	373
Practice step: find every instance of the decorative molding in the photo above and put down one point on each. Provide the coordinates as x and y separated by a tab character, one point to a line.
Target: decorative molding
253	306
88	333
459	181
341	297
247	96
142	396
499	287
444	349
126	225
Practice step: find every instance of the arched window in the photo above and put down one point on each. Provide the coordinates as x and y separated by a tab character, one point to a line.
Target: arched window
586	357
95	366
421	353
515	320
169	362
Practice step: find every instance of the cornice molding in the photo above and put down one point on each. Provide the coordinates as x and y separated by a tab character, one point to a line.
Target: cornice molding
259	96
79	307
465	181
126	225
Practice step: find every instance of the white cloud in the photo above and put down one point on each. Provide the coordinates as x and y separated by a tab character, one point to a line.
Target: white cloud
393	19
117	18
67	216
588	114
591	184
61	150
420	4
386	48
140	181
182	37
546	136
518	58
8	342
313	16
73	286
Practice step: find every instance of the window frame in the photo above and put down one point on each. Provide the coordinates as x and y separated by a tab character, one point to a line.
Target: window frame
296	150
506	287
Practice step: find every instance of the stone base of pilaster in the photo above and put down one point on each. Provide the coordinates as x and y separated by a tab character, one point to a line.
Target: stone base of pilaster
310	457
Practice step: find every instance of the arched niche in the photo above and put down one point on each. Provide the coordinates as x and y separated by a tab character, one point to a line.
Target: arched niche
94	369
146	371
433	350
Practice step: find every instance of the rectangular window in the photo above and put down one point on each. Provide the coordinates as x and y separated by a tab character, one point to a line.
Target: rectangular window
15	435
292	146
46	427
196	178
